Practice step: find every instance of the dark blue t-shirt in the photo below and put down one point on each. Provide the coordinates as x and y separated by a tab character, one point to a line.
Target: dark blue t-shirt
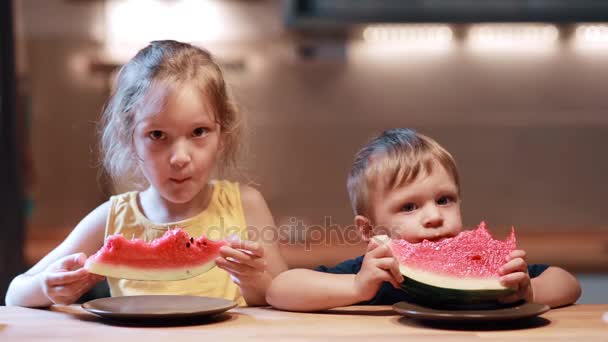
388	294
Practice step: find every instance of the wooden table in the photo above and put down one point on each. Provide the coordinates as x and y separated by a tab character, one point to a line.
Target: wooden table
355	323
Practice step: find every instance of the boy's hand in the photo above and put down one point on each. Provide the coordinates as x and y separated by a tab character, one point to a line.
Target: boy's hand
514	274
378	266
244	260
64	281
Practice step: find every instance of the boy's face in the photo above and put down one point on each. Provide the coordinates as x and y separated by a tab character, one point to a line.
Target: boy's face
427	208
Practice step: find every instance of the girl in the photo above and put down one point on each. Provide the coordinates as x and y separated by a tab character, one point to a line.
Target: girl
168	124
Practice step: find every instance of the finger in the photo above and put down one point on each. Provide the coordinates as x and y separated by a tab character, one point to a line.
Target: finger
239	273
388	277
372	245
515	265
396	272
390	264
72	262
240	257
381	251
67	294
95	278
514	280
249	247
63	278
518	253
240	269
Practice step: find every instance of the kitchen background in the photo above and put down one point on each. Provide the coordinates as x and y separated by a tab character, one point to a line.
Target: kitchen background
522	107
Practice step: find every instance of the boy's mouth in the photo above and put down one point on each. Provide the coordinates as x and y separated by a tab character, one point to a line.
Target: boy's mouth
437	237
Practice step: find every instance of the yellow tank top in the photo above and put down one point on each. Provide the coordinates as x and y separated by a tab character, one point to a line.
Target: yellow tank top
224	216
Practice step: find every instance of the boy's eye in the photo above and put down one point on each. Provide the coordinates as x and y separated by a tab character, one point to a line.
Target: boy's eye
409	207
156	135
443	200
198	132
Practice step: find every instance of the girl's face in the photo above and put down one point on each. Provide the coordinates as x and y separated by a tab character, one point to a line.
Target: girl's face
427	208
177	143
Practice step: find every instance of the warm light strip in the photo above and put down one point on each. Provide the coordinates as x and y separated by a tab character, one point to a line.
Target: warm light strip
592	33
413	33
513	35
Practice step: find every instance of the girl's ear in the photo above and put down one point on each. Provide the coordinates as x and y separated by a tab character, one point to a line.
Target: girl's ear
365	227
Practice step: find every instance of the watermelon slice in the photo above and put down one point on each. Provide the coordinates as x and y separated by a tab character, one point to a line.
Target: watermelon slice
173	256
457	271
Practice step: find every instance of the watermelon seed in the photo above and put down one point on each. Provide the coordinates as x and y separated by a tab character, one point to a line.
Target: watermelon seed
476	257
191	240
204	243
187	244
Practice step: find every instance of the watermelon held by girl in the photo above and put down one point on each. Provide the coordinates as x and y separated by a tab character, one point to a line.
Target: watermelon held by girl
174	256
459	272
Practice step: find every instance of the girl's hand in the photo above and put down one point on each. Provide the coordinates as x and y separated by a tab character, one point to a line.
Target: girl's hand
64	281
514	274
244	260
378	266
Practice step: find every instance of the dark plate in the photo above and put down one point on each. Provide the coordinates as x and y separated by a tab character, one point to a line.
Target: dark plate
157	306
515	312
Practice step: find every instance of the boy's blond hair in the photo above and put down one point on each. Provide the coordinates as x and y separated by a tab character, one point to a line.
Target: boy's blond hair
397	156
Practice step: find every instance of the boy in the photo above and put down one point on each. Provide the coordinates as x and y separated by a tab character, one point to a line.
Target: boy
406	185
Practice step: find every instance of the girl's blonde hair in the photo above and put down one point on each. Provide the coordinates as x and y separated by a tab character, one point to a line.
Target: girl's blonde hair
398	156
166	63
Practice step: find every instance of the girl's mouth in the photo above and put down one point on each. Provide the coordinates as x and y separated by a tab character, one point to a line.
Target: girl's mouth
179	180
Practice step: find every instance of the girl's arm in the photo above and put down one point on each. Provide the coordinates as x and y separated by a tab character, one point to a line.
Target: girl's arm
252	264
556	287
260	227
59	276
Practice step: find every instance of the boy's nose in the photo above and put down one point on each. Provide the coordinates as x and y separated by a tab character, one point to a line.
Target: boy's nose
432	217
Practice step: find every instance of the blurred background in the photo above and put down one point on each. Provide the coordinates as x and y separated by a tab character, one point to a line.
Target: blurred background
515	89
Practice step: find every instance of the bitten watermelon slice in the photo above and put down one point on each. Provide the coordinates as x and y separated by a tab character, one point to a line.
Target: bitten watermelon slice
173	256
459	272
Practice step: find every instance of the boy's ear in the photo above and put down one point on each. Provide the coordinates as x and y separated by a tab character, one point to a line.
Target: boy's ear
365	227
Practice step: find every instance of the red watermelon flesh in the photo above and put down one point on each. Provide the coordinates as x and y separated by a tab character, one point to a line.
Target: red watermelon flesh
459	272
173	256
470	254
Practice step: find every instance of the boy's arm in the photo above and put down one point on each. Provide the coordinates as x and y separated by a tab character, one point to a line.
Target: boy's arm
555	287
307	290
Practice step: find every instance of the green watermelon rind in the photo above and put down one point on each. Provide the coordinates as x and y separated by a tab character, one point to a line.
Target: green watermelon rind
150	274
453	297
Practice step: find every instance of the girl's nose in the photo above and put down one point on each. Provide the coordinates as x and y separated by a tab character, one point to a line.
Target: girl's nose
432	217
180	155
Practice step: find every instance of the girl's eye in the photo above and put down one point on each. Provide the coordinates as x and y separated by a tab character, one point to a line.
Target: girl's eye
156	135
409	207
443	200
198	132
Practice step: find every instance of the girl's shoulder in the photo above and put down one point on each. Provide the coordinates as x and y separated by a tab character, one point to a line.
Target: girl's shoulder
125	198
243	193
250	195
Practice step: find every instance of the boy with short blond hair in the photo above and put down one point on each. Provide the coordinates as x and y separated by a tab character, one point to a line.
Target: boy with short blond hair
404	184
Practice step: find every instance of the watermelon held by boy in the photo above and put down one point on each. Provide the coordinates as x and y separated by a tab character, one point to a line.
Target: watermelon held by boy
174	256
459	272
